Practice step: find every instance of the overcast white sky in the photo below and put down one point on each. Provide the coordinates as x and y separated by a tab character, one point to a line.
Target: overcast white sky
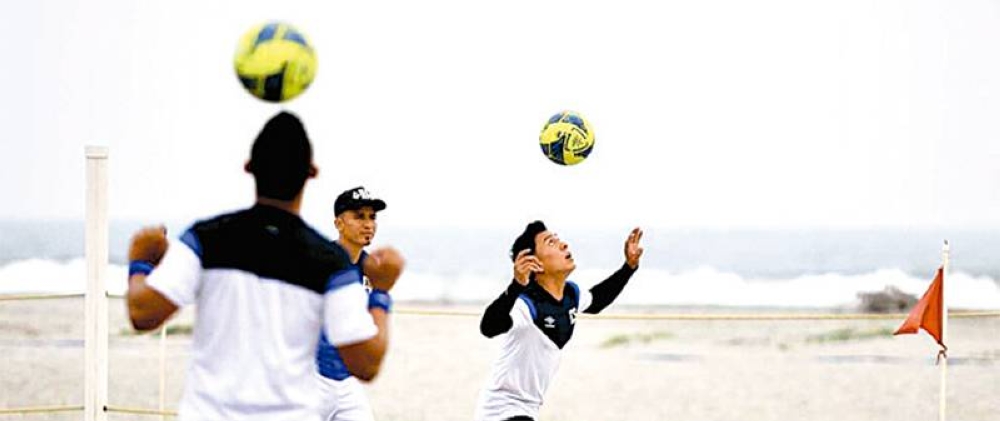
707	113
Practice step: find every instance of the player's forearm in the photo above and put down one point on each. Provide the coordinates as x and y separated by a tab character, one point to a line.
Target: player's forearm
147	309
496	319
607	291
364	359
375	348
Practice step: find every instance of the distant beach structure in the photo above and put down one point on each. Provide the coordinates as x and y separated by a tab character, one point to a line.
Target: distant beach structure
888	300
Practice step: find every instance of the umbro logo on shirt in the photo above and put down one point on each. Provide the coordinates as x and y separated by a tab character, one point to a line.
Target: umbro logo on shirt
550	322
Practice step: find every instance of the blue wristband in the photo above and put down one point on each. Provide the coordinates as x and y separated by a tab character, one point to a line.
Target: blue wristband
139	267
380	299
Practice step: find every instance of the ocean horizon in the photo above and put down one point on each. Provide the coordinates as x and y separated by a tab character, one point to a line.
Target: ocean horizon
764	268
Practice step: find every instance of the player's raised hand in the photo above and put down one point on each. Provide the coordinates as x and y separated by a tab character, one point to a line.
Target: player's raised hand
524	264
633	251
148	245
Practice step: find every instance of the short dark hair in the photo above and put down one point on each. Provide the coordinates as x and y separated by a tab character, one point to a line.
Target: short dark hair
526	241
281	157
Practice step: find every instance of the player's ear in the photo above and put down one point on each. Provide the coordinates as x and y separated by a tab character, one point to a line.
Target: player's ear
246	167
313	171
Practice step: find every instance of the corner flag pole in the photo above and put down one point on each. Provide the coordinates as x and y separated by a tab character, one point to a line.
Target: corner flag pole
945	273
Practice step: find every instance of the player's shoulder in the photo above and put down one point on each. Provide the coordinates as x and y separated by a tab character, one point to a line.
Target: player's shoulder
572	289
280	233
525	305
210	230
222	222
323	250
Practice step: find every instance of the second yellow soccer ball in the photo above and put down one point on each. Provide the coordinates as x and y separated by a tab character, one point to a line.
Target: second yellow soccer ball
567	138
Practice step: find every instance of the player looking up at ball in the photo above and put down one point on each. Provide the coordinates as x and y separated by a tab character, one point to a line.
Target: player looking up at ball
264	283
536	315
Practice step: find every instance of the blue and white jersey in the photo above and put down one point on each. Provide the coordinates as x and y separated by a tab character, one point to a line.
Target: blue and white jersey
265	284
328	359
531	350
535	327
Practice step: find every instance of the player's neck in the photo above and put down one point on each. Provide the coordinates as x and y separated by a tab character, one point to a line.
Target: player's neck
353	250
554	284
290	206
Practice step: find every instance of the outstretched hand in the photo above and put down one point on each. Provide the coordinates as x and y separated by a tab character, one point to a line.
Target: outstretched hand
633	251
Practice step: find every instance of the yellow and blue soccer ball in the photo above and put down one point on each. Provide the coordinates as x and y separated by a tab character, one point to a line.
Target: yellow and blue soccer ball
567	138
275	62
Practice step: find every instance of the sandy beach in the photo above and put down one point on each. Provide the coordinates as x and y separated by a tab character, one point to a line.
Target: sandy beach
612	370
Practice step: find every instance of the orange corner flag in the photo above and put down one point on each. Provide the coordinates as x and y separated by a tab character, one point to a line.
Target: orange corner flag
928	312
